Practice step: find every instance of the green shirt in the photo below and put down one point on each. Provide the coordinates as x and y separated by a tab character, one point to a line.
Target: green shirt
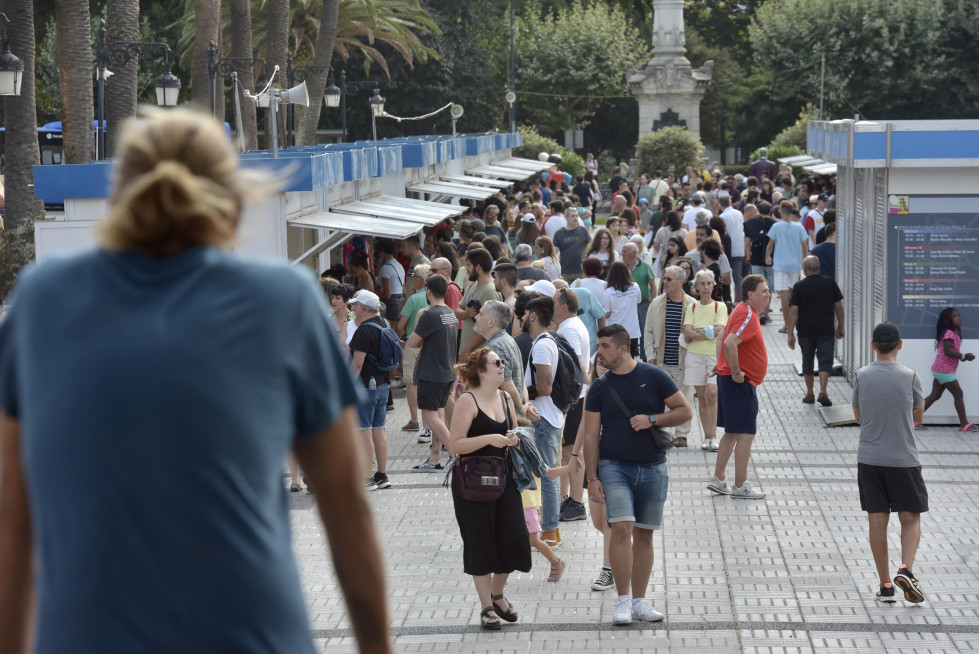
410	310
641	275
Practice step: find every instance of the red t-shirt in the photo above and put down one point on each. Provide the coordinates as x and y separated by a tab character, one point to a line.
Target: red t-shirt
752	355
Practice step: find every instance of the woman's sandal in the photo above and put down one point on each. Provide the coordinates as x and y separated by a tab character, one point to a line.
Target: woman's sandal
971	427
489	622
509	615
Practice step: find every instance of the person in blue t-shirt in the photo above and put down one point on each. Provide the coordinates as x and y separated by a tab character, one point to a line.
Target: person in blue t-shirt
625	469
150	390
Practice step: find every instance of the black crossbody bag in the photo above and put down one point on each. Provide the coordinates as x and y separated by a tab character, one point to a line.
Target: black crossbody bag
662	439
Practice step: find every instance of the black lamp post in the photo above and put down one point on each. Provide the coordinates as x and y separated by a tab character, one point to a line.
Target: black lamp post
331	94
377	109
227	65
11	68
120	53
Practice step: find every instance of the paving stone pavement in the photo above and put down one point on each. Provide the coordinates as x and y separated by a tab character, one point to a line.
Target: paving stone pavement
792	573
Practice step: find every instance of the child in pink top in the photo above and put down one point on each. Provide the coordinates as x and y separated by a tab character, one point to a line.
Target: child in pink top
948	343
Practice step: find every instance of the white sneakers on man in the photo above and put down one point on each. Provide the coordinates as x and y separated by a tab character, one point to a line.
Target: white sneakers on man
627	610
623	611
746	492
643	612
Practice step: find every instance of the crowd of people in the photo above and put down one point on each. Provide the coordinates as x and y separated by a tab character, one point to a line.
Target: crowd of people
546	354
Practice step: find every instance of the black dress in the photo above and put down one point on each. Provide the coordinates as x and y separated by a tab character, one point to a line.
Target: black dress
494	534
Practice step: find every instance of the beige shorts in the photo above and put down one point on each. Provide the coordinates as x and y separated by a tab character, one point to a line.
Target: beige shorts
696	367
409	360
784	281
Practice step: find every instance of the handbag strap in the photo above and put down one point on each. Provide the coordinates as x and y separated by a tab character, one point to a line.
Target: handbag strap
615	395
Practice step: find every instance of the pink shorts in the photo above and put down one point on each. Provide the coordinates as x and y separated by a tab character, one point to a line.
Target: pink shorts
533	522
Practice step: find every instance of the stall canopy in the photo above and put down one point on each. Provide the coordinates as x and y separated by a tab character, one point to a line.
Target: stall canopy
532	165
811	164
446	189
478	181
501	172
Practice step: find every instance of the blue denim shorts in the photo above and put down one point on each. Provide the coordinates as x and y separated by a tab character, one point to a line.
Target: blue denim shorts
373	411
634	493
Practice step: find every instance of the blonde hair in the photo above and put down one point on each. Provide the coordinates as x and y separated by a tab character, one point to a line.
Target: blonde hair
177	186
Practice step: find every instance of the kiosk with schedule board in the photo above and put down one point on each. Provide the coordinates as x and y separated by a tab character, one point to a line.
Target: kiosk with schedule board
907	202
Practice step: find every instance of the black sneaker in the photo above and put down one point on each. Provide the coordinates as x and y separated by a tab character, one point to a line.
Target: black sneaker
564	504
906	582
380	481
573	511
886	595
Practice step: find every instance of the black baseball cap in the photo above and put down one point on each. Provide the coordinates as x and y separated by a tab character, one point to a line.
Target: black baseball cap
886	333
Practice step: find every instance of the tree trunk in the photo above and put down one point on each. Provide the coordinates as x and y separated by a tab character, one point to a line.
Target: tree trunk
220	108
316	82
207	17
241	46
122	24
21	152
277	20
75	79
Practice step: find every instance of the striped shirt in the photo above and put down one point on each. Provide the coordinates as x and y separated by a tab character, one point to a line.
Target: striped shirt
674	322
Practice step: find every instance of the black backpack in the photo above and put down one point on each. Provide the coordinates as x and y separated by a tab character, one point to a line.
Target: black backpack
568	378
389	356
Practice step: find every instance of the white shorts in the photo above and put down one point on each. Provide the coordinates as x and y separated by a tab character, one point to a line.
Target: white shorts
696	367
784	281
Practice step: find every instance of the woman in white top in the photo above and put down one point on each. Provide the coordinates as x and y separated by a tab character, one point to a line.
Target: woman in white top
671	227
602	249
592	269
620	300
618	228
544	251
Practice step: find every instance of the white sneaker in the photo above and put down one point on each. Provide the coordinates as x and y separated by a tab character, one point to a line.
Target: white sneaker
705	445
746	492
713	445
718	486
642	611
425	436
623	611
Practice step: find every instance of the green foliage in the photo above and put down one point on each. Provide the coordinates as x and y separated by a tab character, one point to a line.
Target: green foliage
47	88
16	251
606	164
572	164
723	24
795	134
565	61
534	144
717	114
670	145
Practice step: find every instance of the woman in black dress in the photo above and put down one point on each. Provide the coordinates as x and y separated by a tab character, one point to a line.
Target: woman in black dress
494	535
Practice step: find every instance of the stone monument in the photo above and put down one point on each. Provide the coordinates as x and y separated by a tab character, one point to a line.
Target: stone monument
668	89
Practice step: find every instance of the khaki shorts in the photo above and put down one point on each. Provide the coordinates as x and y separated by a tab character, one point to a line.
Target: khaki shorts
784	281
696	367
409	360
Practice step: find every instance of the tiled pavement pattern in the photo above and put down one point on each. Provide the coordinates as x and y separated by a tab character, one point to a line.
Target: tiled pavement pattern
790	573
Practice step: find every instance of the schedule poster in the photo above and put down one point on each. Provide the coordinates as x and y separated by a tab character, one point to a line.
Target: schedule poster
933	263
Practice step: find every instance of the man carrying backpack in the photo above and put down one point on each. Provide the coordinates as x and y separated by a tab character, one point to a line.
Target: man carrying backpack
376	350
552	390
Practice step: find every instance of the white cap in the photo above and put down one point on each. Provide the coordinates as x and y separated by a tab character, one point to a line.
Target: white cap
543	287
368	299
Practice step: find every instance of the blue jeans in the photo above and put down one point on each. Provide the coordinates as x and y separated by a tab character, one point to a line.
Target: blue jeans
634	493
373	411
768	272
548	440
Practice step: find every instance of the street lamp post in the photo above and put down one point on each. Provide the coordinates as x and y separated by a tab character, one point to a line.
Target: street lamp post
225	66
331	94
377	109
120	53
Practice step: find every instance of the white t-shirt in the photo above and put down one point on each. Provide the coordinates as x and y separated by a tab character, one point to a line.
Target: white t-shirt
544	352
818	221
622	307
734	222
392	270
690	218
554	223
575	331
594	284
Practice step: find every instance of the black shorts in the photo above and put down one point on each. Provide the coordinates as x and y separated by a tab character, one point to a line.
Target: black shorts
820	348
432	396
572	420
884	489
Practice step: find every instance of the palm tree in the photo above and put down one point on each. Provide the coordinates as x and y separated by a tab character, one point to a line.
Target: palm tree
208	17
122	24
21	152
316	81
277	28
75	80
241	46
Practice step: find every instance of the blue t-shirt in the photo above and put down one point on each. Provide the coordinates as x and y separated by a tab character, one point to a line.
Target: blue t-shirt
644	391
157	400
787	256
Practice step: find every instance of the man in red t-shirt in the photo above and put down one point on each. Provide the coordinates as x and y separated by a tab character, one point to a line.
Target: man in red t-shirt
742	362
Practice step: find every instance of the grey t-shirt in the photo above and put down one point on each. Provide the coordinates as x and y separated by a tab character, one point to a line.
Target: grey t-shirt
886	392
572	244
506	348
438	327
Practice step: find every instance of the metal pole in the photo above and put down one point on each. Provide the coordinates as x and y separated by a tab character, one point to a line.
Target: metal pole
100	65
453	127
290	112
822	83
373	124
212	69
273	107
513	63
343	105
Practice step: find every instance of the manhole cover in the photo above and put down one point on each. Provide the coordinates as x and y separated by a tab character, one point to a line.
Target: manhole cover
837	415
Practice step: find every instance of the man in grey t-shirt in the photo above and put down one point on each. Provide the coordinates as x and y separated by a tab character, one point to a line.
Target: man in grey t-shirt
571	240
888	402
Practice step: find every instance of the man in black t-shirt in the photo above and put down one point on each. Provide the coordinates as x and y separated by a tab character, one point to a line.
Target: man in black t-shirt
812	306
757	222
365	347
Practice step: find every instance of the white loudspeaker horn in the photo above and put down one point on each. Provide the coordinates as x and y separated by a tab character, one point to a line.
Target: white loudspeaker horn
295	95
456	110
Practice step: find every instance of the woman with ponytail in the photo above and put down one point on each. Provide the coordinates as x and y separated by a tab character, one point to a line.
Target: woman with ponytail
150	390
